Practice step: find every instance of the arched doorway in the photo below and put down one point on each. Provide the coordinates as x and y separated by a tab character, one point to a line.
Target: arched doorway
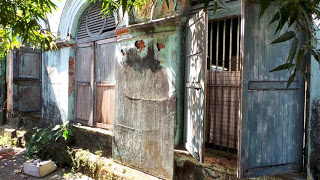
95	69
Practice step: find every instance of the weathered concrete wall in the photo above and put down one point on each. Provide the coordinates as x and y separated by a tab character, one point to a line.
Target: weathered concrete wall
314	120
55	85
146	98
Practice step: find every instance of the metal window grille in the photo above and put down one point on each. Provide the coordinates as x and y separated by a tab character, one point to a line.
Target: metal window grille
223	84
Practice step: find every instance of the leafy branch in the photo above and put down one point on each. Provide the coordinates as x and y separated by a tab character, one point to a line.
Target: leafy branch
299	14
20	24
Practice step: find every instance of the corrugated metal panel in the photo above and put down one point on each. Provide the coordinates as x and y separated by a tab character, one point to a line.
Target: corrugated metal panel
93	24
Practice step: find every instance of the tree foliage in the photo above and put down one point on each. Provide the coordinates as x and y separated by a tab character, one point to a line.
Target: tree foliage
20	24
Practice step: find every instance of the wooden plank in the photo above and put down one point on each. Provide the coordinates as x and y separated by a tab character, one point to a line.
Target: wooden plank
105	104
272	85
104	126
270	170
10	81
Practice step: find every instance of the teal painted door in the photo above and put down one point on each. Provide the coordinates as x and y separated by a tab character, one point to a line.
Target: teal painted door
27	75
195	68
272	116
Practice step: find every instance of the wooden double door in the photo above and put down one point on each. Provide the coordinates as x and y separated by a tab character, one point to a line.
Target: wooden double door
95	83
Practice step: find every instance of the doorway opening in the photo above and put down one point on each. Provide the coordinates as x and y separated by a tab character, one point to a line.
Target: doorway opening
95	69
223	85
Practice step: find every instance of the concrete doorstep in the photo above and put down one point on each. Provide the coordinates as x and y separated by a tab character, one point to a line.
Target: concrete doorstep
99	167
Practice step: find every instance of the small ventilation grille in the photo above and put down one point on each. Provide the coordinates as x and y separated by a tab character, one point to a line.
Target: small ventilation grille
92	23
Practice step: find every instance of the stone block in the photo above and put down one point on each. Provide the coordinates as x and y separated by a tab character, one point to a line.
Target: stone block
11	133
39	169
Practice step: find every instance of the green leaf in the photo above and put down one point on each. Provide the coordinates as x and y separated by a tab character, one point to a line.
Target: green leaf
222	3
124	6
293	50
264	4
215	7
206	4
284	37
283	67
275	18
300	57
168	3
284	17
291	79
65	134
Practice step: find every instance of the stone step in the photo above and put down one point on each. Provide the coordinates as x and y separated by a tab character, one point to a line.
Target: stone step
105	168
10	133
93	139
13	134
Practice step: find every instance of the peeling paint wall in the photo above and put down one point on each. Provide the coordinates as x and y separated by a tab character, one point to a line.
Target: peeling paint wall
147	96
149	87
55	85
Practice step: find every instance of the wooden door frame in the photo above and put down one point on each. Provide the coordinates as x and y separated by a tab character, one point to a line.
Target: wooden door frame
94	83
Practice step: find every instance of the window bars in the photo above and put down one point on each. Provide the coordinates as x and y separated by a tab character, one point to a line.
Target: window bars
223	84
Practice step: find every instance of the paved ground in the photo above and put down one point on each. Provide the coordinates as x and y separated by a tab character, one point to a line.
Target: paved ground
11	168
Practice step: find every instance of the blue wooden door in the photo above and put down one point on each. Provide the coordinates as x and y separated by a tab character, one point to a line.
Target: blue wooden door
272	116
196	53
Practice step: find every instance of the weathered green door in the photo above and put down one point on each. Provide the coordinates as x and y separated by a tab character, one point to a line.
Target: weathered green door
196	38
272	116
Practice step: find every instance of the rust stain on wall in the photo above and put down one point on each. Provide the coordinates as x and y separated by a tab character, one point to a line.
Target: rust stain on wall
121	31
140	45
71	75
123	53
160	46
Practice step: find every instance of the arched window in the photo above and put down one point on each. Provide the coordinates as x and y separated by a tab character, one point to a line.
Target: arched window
93	24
